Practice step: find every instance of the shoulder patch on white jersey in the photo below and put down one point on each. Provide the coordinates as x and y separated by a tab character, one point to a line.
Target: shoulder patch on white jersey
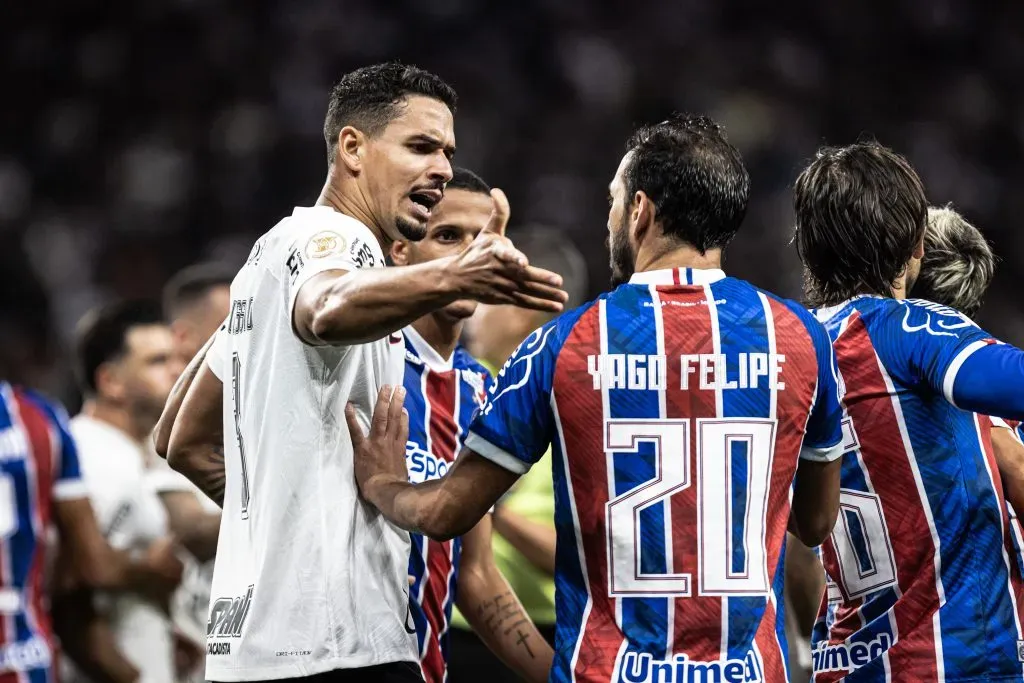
325	243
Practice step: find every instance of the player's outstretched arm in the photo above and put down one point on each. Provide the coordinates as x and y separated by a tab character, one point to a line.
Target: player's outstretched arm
494	611
1009	454
441	509
339	307
162	432
987	379
197	437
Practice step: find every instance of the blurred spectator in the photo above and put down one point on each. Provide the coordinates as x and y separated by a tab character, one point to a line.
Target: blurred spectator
124	363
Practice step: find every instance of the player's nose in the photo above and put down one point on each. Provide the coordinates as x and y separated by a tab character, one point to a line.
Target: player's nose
440	170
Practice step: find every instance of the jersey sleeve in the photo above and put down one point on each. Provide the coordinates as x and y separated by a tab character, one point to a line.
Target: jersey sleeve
989	381
68	483
823	438
514	427
320	243
940	348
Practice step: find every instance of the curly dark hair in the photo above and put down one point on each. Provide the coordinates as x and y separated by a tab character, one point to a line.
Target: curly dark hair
369	98
694	177
860	213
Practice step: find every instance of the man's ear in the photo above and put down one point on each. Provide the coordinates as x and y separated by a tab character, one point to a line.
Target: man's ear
642	216
351	149
400	253
919	249
108	381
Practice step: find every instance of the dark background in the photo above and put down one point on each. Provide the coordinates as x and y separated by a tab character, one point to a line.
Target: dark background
138	137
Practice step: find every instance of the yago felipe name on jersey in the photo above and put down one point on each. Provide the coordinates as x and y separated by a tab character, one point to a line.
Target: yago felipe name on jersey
227	619
707	371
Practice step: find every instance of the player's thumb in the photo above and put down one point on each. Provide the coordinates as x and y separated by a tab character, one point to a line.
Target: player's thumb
499	214
354	428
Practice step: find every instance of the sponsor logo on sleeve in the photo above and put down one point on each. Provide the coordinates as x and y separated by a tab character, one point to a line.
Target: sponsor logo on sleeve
325	243
361	254
295	263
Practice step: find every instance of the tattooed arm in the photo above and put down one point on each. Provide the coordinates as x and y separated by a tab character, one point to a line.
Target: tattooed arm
196	443
495	613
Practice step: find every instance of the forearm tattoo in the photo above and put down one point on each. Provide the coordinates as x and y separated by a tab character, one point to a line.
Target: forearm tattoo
504	616
210	476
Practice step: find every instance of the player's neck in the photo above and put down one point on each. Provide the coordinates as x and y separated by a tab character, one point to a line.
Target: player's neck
440	331
665	257
117	417
350	201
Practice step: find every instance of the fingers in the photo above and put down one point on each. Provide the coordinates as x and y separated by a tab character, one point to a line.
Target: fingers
395	409
506	253
381	412
542	276
353	426
539	290
403	426
500	214
535	304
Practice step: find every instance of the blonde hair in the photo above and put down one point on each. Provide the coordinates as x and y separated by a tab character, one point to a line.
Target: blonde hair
958	263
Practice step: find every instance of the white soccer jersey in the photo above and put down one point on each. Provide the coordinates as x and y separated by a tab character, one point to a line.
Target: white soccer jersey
308	577
131	516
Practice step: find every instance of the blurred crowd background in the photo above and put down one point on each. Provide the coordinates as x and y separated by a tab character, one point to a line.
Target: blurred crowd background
139	137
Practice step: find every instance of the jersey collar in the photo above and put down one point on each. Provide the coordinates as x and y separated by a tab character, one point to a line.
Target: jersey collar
677	276
427	353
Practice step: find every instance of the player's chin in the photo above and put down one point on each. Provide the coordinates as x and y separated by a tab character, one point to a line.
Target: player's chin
412	228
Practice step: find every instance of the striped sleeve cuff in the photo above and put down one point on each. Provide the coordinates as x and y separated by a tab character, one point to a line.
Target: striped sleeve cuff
950	378
69	489
498	456
827	454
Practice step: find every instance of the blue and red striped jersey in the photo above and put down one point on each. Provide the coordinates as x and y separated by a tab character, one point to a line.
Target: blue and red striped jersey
38	464
922	578
677	407
442	396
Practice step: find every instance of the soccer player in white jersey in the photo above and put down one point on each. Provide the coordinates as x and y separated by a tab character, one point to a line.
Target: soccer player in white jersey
124	353
309	581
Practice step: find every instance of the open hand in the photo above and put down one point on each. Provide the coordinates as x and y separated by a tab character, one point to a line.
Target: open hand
491	270
379	457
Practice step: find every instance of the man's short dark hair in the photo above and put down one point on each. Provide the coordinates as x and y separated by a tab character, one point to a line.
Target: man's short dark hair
694	177
102	333
464	179
191	284
860	212
369	98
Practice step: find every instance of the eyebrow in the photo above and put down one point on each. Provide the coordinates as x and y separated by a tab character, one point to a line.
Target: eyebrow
449	150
